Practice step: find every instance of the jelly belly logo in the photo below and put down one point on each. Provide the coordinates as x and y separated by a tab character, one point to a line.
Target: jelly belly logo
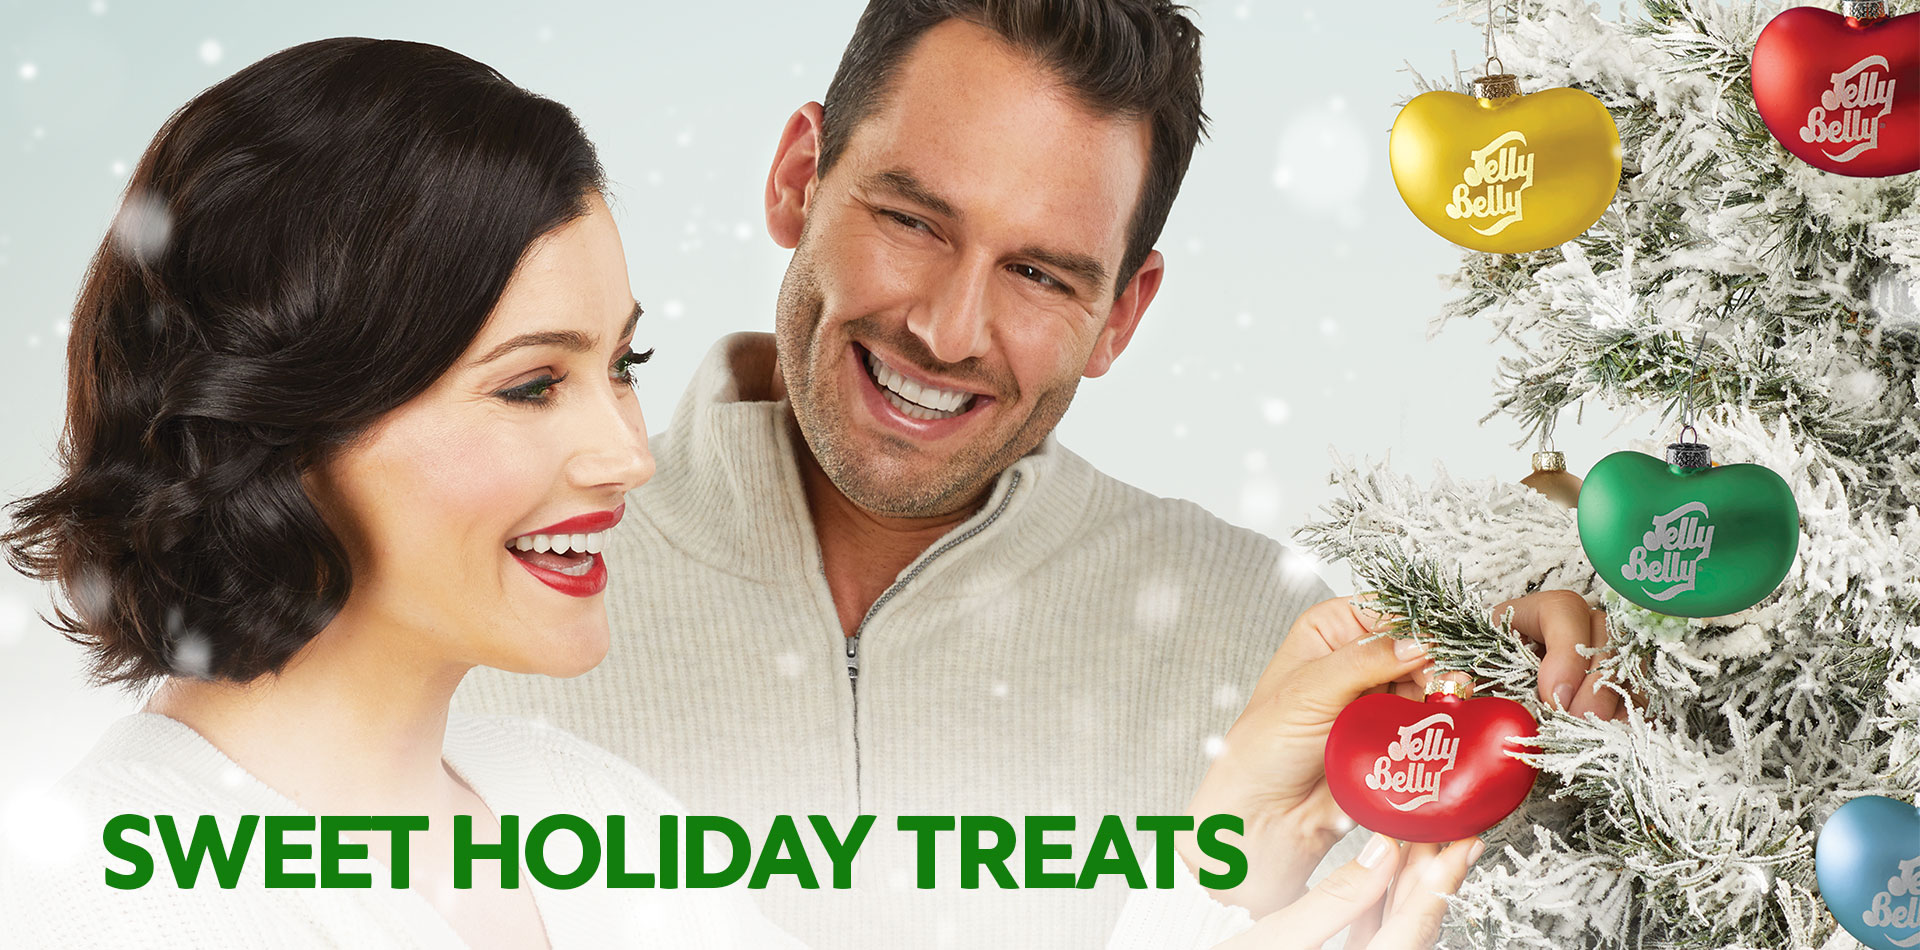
1502	171
1666	554
1415	761
1898	907
1843	116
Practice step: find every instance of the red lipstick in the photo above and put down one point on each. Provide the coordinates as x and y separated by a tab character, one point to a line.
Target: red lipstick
585	584
582	524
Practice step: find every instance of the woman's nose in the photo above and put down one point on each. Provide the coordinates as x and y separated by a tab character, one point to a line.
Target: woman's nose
614	452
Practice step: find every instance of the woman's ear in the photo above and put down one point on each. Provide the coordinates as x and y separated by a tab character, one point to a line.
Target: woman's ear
790	182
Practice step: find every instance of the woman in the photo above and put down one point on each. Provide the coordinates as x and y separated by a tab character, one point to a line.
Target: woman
349	415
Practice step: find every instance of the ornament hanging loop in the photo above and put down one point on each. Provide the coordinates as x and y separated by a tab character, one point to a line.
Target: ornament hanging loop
1864	10
1498	86
1495	82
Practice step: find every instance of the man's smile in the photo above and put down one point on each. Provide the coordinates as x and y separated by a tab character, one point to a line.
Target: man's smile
903	398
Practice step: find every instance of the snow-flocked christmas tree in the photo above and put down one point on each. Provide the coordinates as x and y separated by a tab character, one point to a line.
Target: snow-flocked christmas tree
1693	823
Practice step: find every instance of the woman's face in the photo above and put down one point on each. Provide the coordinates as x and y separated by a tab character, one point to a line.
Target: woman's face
531	440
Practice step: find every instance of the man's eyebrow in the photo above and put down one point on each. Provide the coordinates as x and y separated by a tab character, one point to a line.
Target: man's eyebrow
1089	270
903	184
573	340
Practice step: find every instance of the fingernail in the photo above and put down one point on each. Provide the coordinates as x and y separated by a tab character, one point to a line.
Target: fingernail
1375	850
1407	649
1563	695
1479	848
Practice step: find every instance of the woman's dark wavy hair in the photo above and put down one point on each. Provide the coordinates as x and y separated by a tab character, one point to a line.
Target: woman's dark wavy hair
304	247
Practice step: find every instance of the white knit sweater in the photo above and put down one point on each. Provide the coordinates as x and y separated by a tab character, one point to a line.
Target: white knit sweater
1072	649
151	765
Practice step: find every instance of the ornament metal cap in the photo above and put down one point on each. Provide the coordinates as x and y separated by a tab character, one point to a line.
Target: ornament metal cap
1549	461
1444	687
1863	9
1689	454
1498	86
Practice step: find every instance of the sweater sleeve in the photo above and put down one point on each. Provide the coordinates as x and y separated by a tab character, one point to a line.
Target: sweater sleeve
1183	916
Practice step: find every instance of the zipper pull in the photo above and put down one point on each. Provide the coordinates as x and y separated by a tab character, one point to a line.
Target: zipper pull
853	658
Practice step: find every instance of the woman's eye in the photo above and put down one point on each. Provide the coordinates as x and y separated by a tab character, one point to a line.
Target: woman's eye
532	393
625	365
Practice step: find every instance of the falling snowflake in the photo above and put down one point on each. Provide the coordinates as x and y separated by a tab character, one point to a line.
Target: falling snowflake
14	616
1323	159
998	689
1157	604
1259	502
43	828
210	51
142	227
1275	411
1215	746
28	71
1226	696
789	664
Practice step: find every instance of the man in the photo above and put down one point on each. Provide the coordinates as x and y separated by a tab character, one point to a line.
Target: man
866	579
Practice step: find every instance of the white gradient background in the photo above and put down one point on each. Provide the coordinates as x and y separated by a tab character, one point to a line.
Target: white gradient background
1293	319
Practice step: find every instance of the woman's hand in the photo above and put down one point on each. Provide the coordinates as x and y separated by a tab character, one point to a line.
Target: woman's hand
1272	771
1393	897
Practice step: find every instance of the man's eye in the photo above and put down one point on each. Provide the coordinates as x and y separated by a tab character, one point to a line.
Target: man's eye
907	221
1038	276
627	363
533	392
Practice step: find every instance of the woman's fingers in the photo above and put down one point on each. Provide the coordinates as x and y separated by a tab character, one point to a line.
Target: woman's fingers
1422	897
1417	855
1343	897
1595	698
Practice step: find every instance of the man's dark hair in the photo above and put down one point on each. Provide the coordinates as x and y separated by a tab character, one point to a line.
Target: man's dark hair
1138	59
304	247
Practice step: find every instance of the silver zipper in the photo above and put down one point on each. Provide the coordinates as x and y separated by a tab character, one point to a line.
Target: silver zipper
853	642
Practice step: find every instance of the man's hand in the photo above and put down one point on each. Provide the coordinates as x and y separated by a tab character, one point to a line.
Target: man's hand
1272	771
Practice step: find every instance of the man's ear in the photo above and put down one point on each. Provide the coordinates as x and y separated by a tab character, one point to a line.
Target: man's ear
790	181
1124	317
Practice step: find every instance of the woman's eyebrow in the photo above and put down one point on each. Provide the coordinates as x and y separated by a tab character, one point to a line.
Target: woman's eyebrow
572	340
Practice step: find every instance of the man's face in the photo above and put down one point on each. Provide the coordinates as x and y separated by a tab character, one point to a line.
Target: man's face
956	275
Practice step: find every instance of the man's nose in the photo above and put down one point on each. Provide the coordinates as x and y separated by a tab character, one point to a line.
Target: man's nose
953	322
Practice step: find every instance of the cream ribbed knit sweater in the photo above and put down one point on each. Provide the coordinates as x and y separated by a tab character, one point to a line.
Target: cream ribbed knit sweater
1072	649
149	764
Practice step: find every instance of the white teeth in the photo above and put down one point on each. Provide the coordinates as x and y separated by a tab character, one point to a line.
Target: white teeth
914	399
561	543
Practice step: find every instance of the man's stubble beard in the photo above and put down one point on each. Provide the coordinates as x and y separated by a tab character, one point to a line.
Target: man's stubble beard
825	418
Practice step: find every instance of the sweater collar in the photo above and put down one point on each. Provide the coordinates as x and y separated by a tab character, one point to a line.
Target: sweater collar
727	487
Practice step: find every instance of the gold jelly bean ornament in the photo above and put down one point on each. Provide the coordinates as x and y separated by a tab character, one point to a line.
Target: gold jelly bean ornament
1504	172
